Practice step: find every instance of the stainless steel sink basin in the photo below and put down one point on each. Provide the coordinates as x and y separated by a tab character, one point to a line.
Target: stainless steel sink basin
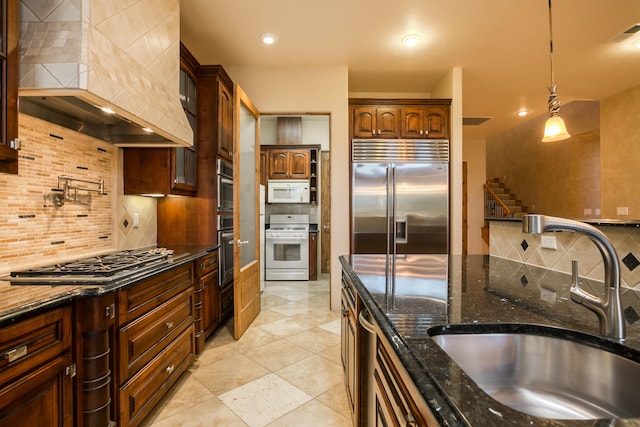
547	376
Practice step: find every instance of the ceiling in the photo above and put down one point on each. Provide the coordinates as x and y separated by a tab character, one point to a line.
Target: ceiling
501	46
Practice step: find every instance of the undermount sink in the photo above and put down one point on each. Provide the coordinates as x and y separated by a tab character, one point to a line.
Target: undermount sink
547	376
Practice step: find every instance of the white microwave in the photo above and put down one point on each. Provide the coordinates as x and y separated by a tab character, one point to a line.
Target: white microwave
288	191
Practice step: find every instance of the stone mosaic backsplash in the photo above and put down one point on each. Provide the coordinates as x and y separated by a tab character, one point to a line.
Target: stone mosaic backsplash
507	241
33	230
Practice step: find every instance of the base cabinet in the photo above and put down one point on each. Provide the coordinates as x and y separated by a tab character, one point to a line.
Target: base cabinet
397	401
36	371
156	340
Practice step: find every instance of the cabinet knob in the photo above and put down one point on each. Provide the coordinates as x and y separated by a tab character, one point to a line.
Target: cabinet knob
421	131
110	311
170	369
378	131
169	325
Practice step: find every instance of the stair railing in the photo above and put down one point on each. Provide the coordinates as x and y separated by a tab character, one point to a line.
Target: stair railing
494	207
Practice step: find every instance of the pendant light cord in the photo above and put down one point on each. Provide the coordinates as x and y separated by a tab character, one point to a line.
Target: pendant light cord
551	44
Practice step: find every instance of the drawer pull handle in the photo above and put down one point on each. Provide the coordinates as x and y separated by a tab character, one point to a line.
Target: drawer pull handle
170	369
16	353
169	325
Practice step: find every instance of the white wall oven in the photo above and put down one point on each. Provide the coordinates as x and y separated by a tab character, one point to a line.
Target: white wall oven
287	248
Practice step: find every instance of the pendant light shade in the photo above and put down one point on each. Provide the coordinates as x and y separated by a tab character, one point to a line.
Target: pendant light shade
554	128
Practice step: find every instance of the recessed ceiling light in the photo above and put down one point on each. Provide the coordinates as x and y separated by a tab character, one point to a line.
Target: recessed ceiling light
411	40
637	43
522	113
148	130
268	38
107	110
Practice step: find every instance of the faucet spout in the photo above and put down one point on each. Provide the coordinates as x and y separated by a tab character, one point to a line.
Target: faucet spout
609	307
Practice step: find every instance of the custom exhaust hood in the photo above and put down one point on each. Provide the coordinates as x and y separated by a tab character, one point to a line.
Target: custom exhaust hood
78	58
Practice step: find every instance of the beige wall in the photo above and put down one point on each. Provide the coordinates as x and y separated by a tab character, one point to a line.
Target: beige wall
325	90
560	178
620	153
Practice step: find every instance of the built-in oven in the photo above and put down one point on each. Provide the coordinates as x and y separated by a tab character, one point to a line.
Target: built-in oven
225	185
287	248
225	242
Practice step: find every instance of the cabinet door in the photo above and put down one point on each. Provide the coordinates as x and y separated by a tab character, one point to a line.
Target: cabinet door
364	122
347	351
210	302
9	63
387	122
412	123
264	166
278	164
45	394
436	122
298	164
225	123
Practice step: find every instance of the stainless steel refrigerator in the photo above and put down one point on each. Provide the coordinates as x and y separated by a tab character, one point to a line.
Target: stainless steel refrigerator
399	196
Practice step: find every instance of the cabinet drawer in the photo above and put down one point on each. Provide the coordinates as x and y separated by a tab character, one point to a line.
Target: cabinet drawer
146	388
148	294
32	342
146	336
207	263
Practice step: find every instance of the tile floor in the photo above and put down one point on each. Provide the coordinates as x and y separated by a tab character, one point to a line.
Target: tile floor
284	371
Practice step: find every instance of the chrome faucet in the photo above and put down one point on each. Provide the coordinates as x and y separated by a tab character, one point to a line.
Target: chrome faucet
609	307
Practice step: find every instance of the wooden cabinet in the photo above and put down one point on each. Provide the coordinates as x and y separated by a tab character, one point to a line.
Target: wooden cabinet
399	118
373	122
313	255
156	340
425	122
397	399
9	64
288	163
207	305
352	352
225	121
168	170
300	162
36	371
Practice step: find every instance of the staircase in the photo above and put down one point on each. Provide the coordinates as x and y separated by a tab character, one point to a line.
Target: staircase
499	202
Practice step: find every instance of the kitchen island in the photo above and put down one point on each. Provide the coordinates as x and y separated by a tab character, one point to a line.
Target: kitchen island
435	293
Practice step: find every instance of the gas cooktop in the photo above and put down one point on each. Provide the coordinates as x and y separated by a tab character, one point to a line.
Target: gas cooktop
98	269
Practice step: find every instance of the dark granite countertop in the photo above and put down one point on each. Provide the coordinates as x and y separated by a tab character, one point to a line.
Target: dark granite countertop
436	293
20	300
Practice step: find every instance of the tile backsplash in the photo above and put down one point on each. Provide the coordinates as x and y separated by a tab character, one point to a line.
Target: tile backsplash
33	231
508	241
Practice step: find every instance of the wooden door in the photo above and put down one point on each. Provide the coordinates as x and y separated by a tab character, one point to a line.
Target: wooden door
278	164
387	122
325	213
364	122
225	123
436	122
246	209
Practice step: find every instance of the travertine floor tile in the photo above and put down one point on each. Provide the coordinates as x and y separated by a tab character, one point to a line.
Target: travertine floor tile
312	413
315	339
264	400
278	354
209	413
286	327
336	399
227	374
314	375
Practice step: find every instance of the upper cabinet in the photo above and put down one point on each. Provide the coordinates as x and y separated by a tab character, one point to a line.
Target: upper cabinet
225	121
168	170
400	118
374	122
425	122
289	163
9	72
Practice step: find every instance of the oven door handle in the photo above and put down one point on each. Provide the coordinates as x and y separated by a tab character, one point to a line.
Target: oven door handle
293	239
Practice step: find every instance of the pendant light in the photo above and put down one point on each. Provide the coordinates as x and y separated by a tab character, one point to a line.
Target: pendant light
554	128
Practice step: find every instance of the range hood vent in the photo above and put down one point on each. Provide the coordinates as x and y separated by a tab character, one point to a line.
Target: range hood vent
78	57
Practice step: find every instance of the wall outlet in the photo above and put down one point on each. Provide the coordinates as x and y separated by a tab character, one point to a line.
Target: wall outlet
549	242
136	220
587	211
622	210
